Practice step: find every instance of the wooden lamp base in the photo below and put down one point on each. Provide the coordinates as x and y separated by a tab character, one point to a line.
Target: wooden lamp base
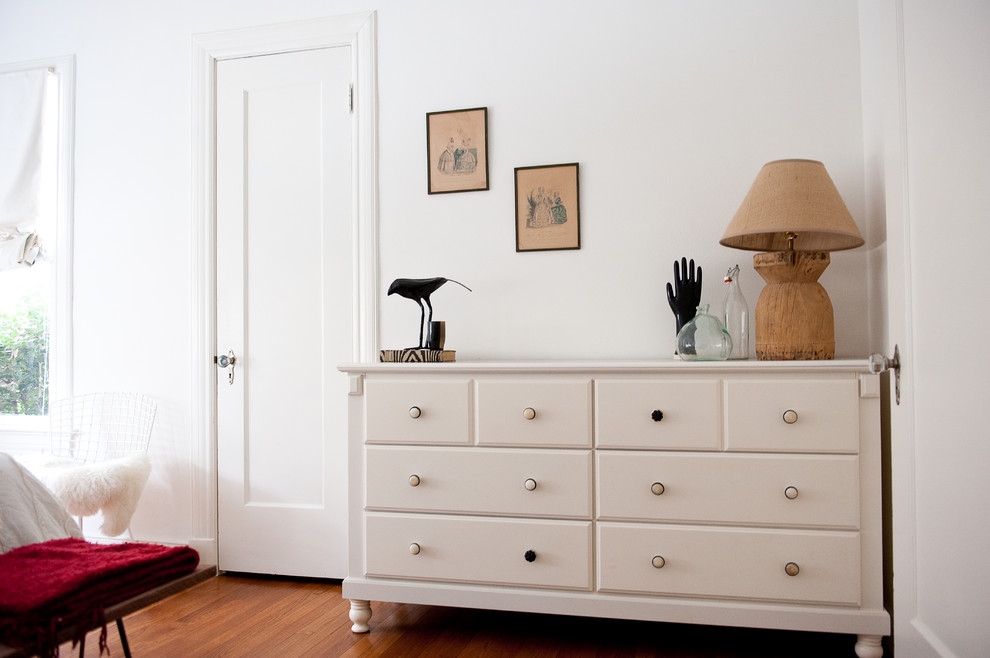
794	319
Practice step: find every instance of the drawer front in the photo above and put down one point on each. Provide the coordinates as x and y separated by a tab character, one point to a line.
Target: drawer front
413	410
730	489
689	418
480	480
730	562
826	415
480	550
528	412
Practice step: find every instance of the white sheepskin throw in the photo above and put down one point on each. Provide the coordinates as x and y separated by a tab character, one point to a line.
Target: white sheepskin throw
112	487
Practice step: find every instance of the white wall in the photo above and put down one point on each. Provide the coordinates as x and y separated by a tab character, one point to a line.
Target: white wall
669	107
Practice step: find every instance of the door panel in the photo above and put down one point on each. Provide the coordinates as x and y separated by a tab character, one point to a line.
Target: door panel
284	308
927	94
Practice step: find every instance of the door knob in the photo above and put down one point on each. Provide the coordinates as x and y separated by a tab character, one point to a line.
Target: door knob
227	361
880	363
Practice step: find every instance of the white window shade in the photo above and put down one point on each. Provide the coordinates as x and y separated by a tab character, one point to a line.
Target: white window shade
22	139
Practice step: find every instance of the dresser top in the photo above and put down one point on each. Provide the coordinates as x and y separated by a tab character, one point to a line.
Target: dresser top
616	366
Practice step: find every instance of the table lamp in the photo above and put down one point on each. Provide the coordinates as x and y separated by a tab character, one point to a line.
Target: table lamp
794	213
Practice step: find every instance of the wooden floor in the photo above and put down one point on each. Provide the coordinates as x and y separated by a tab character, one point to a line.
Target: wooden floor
238	615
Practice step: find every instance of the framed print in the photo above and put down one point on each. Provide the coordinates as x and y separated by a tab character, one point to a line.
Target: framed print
547	212
457	150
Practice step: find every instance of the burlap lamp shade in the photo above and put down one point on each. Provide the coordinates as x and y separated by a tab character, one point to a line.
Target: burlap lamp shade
794	212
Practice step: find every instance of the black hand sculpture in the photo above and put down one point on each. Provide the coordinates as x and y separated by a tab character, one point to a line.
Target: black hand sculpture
685	296
419	290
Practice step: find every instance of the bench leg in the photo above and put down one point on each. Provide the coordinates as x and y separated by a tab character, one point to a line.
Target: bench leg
123	637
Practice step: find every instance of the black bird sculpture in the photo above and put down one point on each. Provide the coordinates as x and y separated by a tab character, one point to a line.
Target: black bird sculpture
419	290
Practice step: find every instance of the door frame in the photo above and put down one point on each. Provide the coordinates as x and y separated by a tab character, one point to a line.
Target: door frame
888	190
358	31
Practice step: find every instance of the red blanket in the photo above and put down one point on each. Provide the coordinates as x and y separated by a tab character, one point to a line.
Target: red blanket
62	583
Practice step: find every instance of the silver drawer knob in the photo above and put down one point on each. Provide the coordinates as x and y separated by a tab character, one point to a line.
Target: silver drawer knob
790	493
529	413
792	569
659	562
530	484
790	417
657	489
414	549
415	412
414	480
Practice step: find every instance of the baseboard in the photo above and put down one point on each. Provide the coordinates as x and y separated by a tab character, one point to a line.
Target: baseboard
207	549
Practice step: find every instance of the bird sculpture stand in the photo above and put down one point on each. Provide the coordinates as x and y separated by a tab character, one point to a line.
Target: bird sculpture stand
419	290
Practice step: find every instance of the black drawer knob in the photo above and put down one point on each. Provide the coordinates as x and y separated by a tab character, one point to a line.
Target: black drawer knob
657	415
530	556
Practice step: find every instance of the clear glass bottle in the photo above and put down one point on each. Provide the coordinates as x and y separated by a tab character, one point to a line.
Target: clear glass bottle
735	315
703	338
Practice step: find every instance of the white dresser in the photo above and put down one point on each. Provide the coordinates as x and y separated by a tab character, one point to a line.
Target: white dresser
733	493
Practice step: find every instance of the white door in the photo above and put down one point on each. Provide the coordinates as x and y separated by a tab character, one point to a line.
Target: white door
937	204
284	309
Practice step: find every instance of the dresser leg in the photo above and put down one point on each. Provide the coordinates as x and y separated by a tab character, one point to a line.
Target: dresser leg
360	615
867	646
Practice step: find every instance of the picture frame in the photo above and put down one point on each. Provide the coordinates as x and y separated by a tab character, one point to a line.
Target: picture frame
548	214
457	150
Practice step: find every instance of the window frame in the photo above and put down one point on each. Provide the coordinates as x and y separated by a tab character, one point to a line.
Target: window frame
25	431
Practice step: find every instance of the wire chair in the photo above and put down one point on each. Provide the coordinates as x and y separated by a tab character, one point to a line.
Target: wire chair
99	461
96	427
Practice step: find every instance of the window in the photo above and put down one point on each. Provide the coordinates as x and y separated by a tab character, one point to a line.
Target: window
35	226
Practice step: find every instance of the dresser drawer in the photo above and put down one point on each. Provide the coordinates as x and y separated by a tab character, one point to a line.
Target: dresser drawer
479	550
667	414
730	562
509	482
824	415
534	412
783	490
413	410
